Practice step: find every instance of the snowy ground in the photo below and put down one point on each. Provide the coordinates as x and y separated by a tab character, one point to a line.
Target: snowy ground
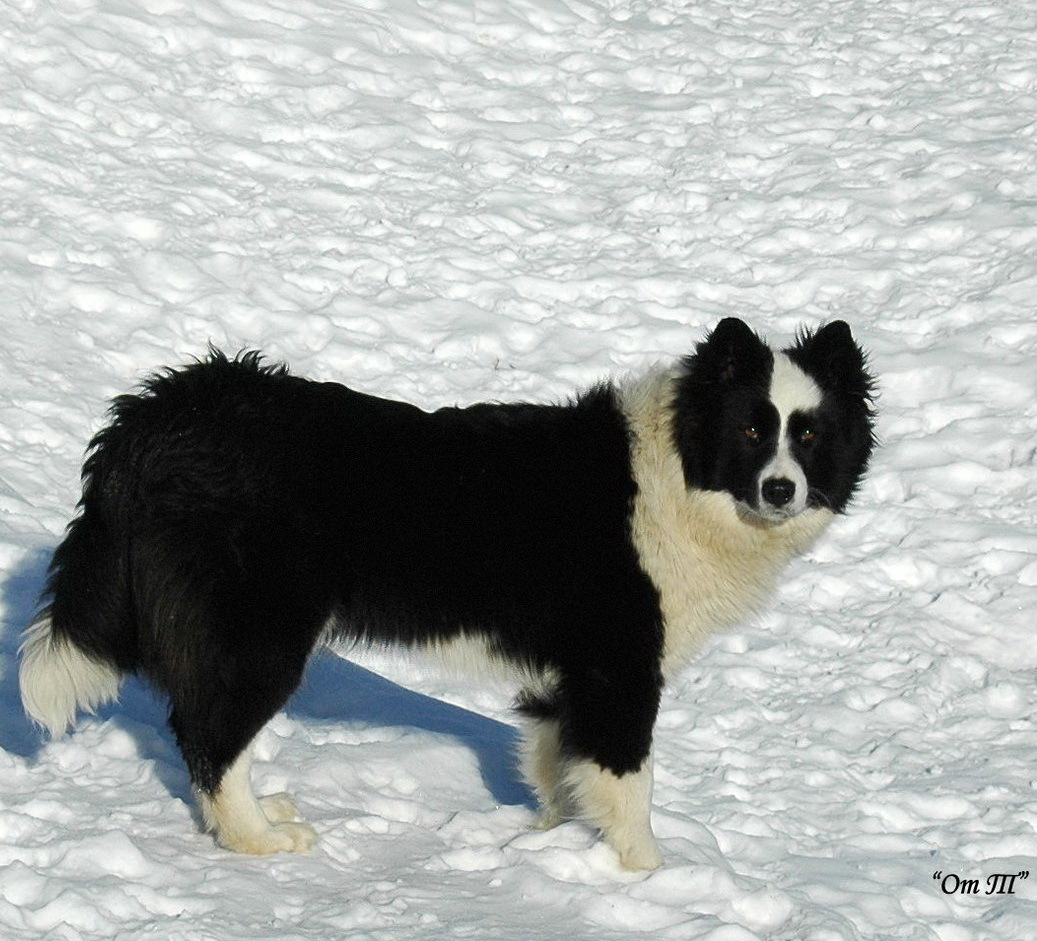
449	200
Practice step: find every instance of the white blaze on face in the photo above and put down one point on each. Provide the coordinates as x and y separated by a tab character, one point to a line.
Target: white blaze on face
792	390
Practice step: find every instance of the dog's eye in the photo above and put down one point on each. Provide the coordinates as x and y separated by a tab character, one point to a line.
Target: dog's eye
751	434
807	435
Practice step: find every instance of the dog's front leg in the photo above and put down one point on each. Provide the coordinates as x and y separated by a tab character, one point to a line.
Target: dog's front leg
619	805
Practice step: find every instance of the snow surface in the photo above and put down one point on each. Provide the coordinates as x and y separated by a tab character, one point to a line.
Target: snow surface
448	201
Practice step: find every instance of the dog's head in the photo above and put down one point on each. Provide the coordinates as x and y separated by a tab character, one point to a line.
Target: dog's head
781	432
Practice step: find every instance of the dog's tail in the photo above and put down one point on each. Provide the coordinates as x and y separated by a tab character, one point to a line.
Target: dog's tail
59	679
73	655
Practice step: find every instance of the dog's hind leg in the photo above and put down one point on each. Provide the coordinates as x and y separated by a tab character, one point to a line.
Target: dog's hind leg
230	650
215	725
247	824
215	734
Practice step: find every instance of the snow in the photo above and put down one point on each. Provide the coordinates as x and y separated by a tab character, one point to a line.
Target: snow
449	201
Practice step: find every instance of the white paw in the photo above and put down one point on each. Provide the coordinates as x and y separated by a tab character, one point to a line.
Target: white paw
640	854
284	837
294	837
299	836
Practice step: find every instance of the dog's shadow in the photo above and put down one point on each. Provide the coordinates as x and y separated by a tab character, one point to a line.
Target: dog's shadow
339	690
333	689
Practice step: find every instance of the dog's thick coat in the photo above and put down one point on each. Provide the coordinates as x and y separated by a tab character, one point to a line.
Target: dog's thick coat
234	516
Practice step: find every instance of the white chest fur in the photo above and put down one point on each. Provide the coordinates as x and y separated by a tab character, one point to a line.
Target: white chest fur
712	563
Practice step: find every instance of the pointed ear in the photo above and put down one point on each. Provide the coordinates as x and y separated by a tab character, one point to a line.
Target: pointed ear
732	353
833	358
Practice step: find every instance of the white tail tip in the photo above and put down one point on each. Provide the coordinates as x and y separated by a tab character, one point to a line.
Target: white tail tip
58	680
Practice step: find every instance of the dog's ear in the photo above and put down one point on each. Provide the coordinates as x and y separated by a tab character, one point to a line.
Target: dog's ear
833	358
732	354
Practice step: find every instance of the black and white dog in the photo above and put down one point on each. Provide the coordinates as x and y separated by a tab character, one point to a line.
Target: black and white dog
234	517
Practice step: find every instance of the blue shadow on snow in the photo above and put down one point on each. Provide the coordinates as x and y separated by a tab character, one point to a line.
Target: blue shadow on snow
333	689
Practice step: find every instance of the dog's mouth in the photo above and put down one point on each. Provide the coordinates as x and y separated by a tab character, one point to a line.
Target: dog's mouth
767	515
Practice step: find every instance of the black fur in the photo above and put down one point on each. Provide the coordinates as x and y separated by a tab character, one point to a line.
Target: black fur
232	511
837	457
723	390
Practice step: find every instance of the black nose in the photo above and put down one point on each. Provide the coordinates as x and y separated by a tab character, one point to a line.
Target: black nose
778	491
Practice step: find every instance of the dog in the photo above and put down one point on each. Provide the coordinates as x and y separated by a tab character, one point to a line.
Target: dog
234	517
